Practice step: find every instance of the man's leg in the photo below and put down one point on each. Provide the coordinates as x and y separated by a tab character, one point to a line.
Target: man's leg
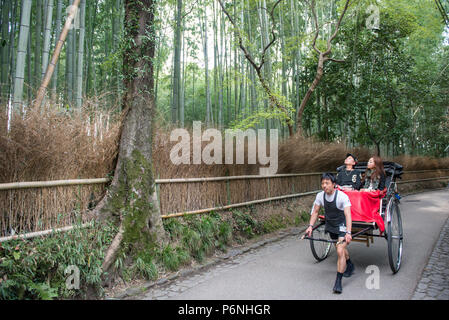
343	255
349	265
341	264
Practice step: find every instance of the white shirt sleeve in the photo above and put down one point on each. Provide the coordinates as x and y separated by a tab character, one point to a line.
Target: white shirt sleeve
318	200
343	201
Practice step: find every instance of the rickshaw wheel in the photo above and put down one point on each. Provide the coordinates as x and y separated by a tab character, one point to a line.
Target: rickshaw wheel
320	249
394	235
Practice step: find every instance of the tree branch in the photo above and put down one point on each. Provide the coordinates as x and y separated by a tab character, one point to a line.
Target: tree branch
317	27
337	28
334	60
248	55
271	13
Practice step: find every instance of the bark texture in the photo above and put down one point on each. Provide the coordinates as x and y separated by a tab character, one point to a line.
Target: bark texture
130	198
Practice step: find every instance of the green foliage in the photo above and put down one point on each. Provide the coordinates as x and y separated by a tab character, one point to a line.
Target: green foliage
273	223
173	258
35	268
245	224
306	215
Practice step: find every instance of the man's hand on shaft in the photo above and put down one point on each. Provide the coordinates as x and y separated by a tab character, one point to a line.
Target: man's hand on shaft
348	238
309	231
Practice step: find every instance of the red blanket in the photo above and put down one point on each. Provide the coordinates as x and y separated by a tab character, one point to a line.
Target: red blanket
365	206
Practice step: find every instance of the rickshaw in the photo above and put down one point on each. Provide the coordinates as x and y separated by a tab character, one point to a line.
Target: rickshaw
383	222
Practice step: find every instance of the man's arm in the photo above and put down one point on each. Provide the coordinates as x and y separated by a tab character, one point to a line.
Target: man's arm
347	211
314	216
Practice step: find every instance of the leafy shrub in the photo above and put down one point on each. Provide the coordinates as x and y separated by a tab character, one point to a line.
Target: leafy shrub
35	268
245	224
273	223
173	258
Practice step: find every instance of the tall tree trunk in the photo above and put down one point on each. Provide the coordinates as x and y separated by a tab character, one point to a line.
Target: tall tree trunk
5	51
37	43
21	54
47	36
12	56
69	67
90	64
206	67
183	83
74	63
220	74
176	99
80	65
54	83
131	194
29	73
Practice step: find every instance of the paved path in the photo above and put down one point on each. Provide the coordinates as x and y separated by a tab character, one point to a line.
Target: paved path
287	270
434	283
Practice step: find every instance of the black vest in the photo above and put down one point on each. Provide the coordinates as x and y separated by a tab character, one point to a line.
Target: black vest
334	217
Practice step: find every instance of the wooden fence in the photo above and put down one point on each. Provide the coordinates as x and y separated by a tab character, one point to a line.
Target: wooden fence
39	207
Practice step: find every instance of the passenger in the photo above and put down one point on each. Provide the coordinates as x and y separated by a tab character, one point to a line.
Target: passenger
350	178
375	175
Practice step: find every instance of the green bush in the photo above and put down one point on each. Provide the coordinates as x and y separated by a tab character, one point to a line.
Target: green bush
305	216
224	235
35	268
172	258
246	225
275	222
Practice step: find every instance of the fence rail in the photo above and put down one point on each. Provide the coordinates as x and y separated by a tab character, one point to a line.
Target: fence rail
74	182
27	205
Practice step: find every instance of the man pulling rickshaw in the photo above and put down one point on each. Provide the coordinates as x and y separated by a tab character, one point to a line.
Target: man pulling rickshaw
363	213
337	210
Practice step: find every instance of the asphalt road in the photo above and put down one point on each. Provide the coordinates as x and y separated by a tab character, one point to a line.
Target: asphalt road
287	270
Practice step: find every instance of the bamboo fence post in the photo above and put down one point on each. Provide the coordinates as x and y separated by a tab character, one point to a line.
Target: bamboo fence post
228	191
268	187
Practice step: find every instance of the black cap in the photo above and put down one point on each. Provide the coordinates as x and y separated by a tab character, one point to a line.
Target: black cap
353	156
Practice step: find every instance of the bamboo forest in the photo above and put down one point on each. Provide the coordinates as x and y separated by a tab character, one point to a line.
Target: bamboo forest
387	68
119	176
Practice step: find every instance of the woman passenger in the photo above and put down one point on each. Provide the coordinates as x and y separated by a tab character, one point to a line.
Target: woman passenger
375	175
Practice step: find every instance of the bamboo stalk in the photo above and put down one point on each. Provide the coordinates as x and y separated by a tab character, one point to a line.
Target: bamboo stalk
55	57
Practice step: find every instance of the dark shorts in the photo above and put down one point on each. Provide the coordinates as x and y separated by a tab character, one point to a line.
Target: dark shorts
335	236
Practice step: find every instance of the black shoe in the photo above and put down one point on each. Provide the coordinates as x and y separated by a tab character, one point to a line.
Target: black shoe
349	270
337	287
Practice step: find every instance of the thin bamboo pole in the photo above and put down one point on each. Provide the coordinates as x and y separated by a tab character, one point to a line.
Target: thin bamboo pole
42	233
55	57
55	183
7	186
236	205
